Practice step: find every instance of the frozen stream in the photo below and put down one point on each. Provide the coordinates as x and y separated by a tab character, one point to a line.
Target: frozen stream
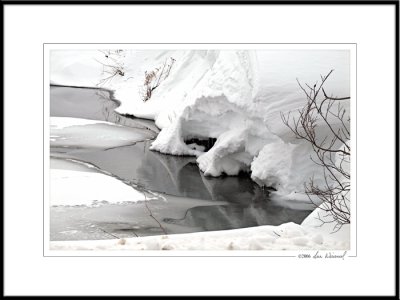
175	196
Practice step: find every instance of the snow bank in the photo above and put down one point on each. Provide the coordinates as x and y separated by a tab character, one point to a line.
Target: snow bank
96	188
233	96
76	132
289	236
314	222
75	67
239	101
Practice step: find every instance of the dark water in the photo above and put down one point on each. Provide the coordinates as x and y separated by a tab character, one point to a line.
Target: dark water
187	202
92	104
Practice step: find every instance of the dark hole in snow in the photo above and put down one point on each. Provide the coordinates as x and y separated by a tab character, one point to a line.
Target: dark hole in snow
242	174
206	143
268	188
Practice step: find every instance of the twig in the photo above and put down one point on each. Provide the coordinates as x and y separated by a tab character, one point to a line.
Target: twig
335	192
151	214
113	235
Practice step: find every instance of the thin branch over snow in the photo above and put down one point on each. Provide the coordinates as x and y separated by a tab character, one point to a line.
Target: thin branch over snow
331	149
112	65
154	78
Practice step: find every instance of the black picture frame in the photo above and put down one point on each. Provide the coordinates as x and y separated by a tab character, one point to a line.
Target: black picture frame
395	4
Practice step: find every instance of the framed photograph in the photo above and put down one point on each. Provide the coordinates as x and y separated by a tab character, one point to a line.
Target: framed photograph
203	142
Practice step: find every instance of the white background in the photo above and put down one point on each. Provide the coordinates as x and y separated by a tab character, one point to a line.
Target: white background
28	27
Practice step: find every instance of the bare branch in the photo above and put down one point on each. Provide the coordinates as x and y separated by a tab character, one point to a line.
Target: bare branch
319	113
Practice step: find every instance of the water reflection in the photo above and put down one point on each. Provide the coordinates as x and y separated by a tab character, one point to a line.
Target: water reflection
220	217
173	175
245	203
193	203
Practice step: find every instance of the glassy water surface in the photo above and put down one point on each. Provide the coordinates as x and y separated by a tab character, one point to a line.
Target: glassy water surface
186	201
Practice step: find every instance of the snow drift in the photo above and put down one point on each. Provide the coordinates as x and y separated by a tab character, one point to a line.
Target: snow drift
288	236
233	96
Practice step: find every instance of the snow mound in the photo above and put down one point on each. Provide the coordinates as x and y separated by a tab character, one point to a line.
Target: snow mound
239	102
324	223
99	188
235	97
272	166
289	236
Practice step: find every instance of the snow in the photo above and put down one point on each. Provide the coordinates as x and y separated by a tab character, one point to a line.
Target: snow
235	96
272	166
75	67
289	236
77	183
286	167
327	227
76	132
63	122
68	187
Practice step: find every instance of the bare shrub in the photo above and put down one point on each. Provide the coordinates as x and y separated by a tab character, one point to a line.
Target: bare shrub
325	124
112	65
153	79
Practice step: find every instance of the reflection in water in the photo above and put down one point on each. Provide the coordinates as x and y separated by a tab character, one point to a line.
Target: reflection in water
220	217
173	175
193	203
244	203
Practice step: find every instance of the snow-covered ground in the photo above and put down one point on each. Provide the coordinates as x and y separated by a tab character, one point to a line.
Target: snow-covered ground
85	188
70	132
289	236
234	96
